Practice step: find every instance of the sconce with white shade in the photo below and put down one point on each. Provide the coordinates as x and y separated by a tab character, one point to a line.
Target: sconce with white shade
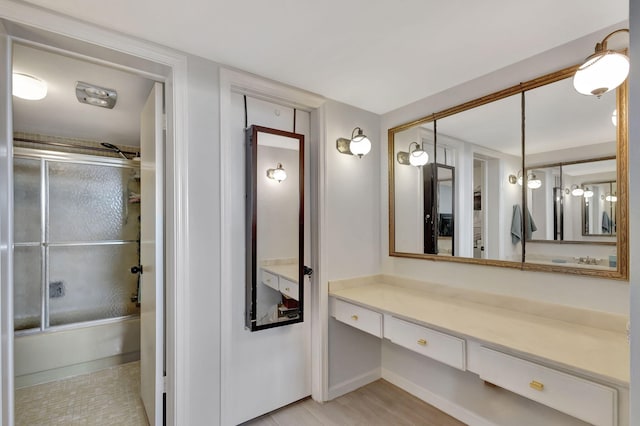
359	144
28	87
612	198
577	191
277	174
588	192
417	156
532	181
614	117
603	71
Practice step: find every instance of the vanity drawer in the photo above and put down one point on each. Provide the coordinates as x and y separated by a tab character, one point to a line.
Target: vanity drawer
358	317
442	347
270	280
583	399
289	288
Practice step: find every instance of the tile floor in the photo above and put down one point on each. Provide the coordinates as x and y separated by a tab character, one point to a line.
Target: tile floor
107	397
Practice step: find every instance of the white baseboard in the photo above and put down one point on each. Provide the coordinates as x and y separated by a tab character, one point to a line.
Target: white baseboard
74	370
355	383
455	410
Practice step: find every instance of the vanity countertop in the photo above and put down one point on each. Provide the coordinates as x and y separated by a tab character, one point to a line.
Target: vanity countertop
595	351
286	270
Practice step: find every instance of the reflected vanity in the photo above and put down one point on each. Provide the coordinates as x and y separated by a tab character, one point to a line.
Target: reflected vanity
275	224
531	177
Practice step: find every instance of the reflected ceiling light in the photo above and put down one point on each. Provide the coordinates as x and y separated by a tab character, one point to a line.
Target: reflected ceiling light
603	71
611	198
417	157
588	193
614	117
359	144
28	87
277	174
577	191
95	95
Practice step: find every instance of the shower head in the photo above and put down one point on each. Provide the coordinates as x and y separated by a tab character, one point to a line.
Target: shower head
114	148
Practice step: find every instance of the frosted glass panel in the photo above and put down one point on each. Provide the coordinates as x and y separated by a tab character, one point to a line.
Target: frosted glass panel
96	282
92	203
26	199
27	284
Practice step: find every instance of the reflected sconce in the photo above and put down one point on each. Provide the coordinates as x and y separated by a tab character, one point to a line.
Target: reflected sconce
577	191
277	174
614	117
588	192
359	144
28	87
417	157
612	198
603	71
532	181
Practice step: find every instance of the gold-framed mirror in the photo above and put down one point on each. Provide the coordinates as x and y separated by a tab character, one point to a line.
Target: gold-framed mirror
516	154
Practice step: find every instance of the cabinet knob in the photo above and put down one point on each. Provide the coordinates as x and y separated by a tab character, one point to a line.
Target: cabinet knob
536	385
287	289
422	342
354	317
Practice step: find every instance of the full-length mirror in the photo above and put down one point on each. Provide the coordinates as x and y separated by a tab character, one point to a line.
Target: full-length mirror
275	194
531	177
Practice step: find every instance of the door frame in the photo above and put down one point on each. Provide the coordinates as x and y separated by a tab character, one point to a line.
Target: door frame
176	195
232	81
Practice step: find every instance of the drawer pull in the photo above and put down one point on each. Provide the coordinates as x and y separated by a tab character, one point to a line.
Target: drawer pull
422	342
536	385
354	317
287	289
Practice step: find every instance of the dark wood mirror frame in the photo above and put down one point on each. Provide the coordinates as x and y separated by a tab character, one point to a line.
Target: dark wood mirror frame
622	271
251	197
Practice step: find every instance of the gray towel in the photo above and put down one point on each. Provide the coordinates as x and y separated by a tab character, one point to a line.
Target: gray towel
516	225
606	223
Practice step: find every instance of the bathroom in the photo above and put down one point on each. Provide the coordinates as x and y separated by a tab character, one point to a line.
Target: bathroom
352	238
77	230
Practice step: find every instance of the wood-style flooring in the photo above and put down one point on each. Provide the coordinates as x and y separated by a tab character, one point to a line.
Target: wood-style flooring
379	403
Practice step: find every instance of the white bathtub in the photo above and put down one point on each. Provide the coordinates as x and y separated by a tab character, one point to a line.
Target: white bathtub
53	355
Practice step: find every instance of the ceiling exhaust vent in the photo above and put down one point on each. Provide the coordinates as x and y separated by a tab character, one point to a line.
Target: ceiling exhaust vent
95	95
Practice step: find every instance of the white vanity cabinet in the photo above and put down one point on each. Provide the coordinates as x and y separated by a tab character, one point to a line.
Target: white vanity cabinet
583	399
281	278
521	373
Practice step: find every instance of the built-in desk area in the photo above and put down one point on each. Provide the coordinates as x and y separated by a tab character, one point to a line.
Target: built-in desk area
575	361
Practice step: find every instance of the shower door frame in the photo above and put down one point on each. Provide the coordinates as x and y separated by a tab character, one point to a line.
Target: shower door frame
45	156
102	45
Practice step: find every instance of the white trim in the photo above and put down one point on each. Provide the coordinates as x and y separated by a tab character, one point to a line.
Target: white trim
453	409
354	383
177	238
239	82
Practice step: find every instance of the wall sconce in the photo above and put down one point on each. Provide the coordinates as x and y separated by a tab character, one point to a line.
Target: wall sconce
532	181
603	71
612	198
277	174
359	144
588	193
417	157
576	191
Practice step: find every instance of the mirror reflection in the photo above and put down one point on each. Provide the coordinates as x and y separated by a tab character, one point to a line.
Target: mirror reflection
277	175
477	200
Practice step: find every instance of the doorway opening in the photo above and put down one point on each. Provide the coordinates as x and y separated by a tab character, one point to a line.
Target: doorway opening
81	201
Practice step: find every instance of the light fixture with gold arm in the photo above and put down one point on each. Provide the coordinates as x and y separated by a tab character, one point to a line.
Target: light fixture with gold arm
277	174
417	157
359	144
603	71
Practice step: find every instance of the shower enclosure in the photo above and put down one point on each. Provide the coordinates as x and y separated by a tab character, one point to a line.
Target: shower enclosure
76	233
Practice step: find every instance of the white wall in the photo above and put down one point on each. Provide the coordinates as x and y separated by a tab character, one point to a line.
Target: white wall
601	294
202	366
352	237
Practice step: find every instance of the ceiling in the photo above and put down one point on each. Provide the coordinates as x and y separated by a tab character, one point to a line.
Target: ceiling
376	55
60	114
